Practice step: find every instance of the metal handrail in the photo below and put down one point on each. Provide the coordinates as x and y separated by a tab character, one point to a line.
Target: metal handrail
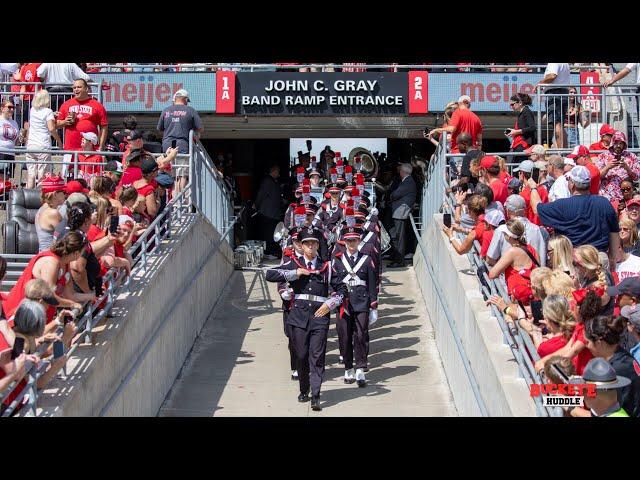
331	65
116	283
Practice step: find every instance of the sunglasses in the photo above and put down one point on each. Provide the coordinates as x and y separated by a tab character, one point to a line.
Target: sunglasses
627	189
10	107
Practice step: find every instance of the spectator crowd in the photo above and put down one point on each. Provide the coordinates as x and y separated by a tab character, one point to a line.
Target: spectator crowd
562	231
90	216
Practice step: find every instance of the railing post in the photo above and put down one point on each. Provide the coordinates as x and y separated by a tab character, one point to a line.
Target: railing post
540	115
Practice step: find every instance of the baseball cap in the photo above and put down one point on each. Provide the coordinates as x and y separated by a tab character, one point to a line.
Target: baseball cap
525	166
464	98
514	184
181	93
632	313
75	186
488	161
633	201
628	286
114	166
606	129
148	165
569	161
165	180
580	175
494	217
52	183
537	149
579	151
92	137
540	164
134	135
514	203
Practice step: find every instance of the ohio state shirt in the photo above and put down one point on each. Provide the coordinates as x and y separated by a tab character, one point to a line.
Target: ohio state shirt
89	114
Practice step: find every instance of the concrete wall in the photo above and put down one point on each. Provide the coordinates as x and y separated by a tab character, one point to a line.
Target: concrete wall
137	357
504	392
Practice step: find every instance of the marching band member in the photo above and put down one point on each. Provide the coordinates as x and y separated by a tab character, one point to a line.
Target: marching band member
309	315
357	271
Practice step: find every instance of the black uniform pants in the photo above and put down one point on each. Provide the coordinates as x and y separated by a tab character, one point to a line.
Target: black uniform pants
310	347
399	240
267	226
287	332
355	339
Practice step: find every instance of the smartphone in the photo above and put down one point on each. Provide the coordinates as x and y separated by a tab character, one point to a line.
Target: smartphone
535	174
113	224
18	348
506	131
536	311
446	219
58	349
174	143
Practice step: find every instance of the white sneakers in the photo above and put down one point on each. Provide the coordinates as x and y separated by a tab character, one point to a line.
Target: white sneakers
294	374
349	376
360	378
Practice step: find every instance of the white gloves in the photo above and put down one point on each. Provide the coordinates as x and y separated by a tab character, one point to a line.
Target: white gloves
373	316
287	294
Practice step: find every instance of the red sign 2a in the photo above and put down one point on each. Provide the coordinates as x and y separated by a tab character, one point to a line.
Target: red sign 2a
225	92
418	92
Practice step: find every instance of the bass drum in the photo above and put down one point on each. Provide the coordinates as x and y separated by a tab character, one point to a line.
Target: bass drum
369	162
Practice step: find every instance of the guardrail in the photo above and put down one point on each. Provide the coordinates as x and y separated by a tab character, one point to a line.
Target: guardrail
249	67
436	199
175	212
582	114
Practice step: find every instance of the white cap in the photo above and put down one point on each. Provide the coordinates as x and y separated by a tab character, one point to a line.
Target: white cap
525	166
494	217
569	161
181	93
92	137
124	219
464	98
580	175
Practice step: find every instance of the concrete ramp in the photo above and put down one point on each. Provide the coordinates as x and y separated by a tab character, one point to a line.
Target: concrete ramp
239	364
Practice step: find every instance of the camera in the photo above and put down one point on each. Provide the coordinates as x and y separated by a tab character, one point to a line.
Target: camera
506	131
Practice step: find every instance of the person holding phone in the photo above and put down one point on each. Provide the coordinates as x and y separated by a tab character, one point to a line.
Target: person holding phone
475	207
615	166
522	135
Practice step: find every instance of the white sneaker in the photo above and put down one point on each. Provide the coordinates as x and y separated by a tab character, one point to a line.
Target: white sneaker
294	375
349	376
360	378
341	359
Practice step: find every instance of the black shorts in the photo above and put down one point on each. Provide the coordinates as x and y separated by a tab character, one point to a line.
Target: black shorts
557	106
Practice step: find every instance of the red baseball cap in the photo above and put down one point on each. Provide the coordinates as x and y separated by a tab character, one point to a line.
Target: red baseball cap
75	186
579	151
488	161
633	201
607	129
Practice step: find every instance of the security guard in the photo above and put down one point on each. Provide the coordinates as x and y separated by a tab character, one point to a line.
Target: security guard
357	271
605	403
309	315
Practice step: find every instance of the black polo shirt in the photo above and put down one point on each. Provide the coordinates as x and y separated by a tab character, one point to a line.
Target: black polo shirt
628	397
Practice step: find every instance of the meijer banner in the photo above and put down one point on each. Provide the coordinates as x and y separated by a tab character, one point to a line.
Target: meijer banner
152	92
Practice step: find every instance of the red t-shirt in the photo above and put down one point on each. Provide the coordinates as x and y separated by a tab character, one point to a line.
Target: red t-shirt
526	194
90	169
595	178
130	175
95	233
500	192
518	141
487	236
29	73
147	189
598	146
16	295
464	120
580	361
505	177
89	114
552	345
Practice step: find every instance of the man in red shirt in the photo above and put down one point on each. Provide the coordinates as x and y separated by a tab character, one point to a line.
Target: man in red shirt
606	133
28	73
489	172
524	173
580	155
463	120
82	114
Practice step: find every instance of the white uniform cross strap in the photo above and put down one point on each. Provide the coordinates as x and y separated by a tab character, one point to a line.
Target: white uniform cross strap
365	240
352	278
366	225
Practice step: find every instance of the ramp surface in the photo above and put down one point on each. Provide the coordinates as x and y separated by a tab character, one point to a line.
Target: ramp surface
239	365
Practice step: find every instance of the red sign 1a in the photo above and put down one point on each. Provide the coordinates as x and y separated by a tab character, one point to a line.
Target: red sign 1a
590	95
225	92
418	92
